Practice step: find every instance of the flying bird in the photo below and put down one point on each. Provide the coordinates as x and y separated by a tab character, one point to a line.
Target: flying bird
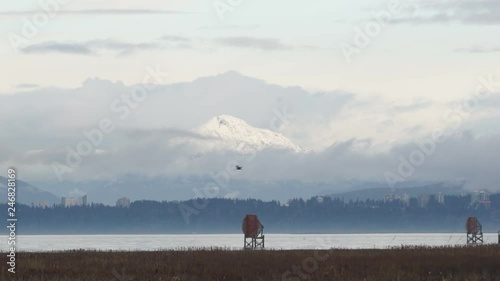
238	167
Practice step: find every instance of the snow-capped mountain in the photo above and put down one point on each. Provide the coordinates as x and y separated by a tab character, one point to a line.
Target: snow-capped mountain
226	132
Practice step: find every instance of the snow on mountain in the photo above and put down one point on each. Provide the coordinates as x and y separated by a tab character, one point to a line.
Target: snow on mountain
226	132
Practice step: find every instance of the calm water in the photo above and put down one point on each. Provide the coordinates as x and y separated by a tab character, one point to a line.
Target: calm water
235	241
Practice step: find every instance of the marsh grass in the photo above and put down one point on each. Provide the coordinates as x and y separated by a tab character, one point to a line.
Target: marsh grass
403	263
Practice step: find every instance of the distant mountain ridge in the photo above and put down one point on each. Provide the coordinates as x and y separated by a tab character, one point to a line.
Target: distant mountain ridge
27	193
380	192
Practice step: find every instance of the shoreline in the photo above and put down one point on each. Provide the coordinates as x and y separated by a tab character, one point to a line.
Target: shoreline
267	249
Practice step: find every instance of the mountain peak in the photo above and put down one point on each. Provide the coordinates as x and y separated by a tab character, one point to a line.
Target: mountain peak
227	121
236	133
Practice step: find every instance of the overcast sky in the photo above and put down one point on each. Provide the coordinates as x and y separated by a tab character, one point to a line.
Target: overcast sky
373	75
286	42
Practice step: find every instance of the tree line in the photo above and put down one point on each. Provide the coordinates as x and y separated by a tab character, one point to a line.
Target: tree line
221	215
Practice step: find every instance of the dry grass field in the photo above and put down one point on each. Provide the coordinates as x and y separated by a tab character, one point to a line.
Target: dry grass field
407	263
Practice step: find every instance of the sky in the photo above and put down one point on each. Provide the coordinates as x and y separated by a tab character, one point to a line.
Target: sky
373	76
292	43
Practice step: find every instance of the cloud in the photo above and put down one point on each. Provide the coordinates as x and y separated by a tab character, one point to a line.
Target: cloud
121	48
93	47
412	107
252	42
175	41
96	12
478	49
163	134
481	12
344	131
58	47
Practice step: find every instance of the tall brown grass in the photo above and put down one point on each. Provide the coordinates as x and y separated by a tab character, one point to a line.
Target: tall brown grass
406	263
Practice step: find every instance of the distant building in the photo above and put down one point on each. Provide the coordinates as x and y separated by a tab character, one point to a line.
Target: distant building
43	204
439	198
123	202
481	197
390	198
74	201
423	200
484	195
